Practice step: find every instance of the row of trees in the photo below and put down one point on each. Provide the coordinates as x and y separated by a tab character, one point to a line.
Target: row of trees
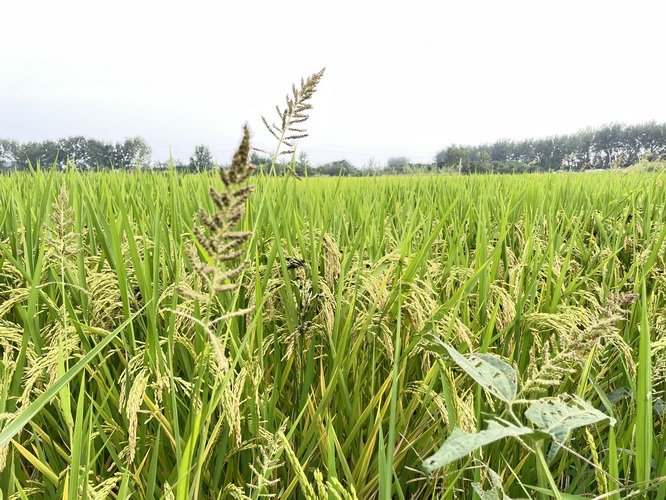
92	154
85	153
610	146
302	166
394	166
615	145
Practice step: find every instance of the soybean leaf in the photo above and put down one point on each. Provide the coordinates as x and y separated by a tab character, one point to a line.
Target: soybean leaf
460	443
496	492
491	494
559	416
619	394
493	374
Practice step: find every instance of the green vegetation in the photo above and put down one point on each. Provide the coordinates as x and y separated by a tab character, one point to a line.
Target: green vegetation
610	146
648	165
333	384
195	336
87	154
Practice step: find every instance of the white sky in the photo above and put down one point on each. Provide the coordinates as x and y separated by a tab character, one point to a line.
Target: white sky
402	78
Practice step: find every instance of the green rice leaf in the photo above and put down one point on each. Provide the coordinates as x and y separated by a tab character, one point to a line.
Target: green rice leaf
33	408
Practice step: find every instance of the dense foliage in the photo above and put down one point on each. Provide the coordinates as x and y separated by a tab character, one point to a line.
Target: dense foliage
615	145
125	384
610	146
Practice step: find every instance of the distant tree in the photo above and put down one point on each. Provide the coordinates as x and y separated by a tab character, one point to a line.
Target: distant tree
340	167
160	166
621	161
645	138
74	150
257	159
577	150
511	167
397	161
178	165
32	154
202	159
9	153
549	153
502	150
523	151
608	144
420	167
99	154
303	163
614	145
262	163
132	153
653	139
372	164
440	158
457	157
481	163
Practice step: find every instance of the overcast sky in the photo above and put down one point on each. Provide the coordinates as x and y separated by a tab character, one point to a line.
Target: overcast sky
402	78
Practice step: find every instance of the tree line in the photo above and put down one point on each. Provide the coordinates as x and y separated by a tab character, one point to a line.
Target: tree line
85	153
93	154
399	165
611	146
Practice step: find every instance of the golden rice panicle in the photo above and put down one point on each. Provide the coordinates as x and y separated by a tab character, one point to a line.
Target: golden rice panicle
61	239
306	486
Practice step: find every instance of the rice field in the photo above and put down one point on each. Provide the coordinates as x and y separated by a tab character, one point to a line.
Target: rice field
312	365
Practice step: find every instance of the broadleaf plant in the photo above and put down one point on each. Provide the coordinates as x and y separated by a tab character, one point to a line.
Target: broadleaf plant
496	491
557	417
551	417
460	443
493	374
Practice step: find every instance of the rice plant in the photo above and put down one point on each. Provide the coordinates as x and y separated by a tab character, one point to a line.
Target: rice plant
152	348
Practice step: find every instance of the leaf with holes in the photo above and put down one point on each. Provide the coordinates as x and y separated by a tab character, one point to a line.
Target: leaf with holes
460	444
496	492
493	374
491	494
559	416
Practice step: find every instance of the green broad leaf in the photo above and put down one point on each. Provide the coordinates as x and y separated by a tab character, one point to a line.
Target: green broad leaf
460	443
491	494
619	394
658	406
496	492
559	416
493	374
